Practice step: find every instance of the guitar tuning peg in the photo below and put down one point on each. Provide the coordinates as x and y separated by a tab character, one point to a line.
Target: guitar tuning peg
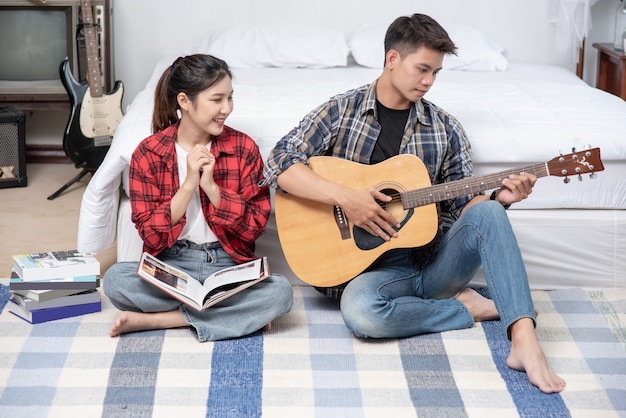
580	178
588	147
566	180
593	176
573	149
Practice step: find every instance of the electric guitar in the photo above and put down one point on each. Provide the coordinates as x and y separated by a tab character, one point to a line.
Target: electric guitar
94	115
324	249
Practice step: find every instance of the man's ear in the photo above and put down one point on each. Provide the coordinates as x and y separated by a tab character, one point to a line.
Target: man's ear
392	58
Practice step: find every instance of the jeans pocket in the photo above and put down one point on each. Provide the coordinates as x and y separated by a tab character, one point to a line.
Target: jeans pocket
174	251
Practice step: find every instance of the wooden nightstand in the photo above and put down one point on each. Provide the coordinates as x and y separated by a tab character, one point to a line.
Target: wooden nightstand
611	69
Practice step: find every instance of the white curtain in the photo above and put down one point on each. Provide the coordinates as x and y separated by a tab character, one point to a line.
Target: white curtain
573	22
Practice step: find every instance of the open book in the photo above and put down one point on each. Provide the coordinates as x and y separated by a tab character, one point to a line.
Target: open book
217	287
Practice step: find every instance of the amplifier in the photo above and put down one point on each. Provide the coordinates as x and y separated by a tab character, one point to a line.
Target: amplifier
12	147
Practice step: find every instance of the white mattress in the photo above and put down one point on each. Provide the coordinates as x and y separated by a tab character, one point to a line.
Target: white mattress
527	114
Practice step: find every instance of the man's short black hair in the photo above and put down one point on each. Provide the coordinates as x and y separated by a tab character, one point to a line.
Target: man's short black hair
408	33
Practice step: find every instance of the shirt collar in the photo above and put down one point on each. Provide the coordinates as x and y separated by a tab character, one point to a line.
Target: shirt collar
167	138
418	111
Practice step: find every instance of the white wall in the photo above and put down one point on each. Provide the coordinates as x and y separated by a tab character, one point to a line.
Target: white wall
603	24
146	30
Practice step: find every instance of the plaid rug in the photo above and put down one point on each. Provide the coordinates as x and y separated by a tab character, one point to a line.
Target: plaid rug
309	365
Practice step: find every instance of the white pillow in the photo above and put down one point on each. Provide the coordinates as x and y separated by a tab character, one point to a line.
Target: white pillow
367	46
285	46
475	51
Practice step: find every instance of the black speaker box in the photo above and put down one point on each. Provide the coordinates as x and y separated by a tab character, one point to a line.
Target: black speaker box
12	147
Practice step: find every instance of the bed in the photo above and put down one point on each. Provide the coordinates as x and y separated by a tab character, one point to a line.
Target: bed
515	114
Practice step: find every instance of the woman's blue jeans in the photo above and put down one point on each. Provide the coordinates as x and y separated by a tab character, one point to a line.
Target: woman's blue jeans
241	314
399	298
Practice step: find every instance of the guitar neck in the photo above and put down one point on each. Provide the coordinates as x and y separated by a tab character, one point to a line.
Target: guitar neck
470	185
94	75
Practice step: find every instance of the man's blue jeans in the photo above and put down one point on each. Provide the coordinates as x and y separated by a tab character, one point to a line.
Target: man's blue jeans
399	298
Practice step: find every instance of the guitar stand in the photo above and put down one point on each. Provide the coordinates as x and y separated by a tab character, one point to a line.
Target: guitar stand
86	170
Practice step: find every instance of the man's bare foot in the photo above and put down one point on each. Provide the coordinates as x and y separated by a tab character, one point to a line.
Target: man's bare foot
128	321
527	355
481	308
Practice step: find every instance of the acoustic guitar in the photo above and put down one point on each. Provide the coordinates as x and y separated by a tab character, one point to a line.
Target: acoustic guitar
94	114
324	249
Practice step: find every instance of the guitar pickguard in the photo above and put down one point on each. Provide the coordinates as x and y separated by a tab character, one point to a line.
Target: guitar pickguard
99	116
366	241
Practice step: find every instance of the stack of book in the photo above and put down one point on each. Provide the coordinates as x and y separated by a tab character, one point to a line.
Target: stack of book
54	285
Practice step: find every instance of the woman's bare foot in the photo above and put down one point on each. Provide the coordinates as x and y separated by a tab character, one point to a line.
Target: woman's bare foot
128	321
481	308
527	355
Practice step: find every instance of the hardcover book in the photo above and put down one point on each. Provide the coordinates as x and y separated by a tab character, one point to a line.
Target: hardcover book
43	295
89	296
76	283
217	287
51	314
55	264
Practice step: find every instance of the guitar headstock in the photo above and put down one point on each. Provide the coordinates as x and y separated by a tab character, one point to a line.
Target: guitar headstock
576	163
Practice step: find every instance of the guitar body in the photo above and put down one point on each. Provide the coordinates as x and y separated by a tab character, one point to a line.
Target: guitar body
323	248
92	121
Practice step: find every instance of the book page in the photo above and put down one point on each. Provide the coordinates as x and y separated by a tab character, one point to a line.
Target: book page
233	276
170	279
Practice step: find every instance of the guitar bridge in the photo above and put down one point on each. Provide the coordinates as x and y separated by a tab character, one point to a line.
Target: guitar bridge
102	141
342	222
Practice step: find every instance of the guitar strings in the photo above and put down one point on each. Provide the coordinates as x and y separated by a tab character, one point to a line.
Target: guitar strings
438	192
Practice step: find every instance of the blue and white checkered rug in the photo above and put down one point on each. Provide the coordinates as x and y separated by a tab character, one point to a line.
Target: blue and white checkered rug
309	365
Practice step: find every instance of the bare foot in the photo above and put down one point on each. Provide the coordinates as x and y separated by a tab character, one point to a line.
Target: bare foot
128	321
481	308
527	355
267	327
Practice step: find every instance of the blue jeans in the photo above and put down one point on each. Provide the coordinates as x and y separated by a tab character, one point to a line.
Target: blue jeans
398	298
239	315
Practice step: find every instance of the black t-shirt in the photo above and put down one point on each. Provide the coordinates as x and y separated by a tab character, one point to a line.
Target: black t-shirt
392	124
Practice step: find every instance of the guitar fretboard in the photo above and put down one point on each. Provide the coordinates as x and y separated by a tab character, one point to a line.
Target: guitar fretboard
470	185
94	75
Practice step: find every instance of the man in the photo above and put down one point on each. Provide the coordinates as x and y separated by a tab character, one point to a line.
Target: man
414	291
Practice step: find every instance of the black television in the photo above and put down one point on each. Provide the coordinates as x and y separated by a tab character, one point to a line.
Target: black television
35	37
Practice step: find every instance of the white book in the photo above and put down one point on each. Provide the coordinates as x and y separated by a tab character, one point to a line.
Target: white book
55	265
217	287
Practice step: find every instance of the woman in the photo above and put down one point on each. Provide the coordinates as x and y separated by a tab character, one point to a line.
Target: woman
197	204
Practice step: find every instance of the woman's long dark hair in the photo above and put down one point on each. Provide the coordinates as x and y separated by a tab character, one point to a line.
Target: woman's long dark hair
190	75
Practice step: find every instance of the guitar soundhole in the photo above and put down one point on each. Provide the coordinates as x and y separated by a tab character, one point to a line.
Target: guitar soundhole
394	207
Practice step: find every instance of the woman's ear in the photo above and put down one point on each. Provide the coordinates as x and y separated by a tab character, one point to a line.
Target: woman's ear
183	100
